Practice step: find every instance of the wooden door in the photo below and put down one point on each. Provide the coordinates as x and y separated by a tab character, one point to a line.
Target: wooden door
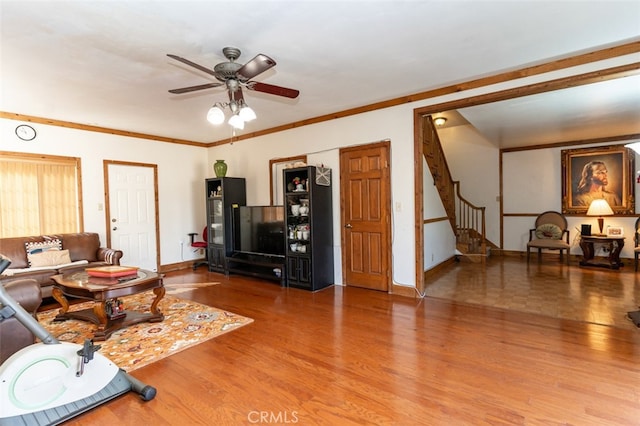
366	228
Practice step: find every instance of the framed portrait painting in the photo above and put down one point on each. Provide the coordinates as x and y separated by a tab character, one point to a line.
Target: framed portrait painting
600	172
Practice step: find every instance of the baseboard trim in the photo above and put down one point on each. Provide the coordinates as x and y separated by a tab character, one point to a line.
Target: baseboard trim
431	273
406	291
171	267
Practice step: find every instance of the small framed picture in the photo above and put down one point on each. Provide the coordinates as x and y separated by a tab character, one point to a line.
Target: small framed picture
614	231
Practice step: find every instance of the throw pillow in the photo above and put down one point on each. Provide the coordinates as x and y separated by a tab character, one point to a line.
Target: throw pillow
49	258
549	231
35	247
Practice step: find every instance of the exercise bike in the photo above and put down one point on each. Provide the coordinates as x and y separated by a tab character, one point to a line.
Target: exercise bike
51	382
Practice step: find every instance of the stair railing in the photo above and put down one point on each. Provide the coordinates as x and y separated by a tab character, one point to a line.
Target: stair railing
470	224
467	220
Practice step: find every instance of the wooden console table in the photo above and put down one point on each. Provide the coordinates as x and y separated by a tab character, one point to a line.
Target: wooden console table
100	290
615	244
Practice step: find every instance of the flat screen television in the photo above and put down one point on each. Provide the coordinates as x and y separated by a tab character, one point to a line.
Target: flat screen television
260	229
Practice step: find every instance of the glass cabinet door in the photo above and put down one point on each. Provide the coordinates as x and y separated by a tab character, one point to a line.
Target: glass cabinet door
216	233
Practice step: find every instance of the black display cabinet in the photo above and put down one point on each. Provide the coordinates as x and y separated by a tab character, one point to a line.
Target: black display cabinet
224	196
308	228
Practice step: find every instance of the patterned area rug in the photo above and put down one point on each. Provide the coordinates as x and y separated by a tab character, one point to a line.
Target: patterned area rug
186	324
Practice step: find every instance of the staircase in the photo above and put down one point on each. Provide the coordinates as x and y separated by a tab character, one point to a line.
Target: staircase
467	220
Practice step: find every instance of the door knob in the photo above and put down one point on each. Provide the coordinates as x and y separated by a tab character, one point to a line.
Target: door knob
348	225
115	228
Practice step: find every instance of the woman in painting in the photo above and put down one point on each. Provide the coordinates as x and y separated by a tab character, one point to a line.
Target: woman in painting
593	184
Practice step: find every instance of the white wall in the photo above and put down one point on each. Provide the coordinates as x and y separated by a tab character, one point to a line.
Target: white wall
439	238
475	162
181	173
321	143
533	184
182	170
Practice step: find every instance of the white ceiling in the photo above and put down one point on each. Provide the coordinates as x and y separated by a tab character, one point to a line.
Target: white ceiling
587	112
104	63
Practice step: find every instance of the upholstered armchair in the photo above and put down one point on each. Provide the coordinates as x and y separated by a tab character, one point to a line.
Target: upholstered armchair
550	233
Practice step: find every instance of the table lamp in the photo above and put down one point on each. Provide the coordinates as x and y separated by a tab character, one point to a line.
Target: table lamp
599	208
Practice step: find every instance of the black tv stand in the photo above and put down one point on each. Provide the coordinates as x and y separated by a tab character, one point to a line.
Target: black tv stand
260	265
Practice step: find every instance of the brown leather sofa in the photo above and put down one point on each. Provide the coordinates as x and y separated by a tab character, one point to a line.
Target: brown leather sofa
13	335
83	246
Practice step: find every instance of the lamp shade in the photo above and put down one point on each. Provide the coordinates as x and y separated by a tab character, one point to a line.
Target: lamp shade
599	207
247	114
215	115
236	122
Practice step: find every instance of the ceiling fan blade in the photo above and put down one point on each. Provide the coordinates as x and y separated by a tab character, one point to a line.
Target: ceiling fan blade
193	64
273	90
257	65
194	88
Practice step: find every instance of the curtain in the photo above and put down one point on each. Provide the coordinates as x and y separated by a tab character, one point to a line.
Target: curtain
38	196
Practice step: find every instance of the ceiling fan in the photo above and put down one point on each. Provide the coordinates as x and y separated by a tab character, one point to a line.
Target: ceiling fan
236	76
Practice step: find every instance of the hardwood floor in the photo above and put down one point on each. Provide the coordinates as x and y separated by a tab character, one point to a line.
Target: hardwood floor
550	288
349	356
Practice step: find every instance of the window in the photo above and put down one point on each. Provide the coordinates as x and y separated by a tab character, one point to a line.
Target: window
39	194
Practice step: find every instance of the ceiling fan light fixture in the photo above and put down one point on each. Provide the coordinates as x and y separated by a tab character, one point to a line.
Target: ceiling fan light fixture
235	76
236	122
247	114
439	121
215	115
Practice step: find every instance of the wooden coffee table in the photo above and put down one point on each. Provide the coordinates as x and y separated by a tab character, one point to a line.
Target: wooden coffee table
101	290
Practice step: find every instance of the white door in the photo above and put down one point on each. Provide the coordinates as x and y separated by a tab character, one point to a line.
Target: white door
132	214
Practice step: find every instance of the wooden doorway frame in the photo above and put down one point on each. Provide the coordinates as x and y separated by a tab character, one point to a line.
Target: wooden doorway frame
274	186
421	114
